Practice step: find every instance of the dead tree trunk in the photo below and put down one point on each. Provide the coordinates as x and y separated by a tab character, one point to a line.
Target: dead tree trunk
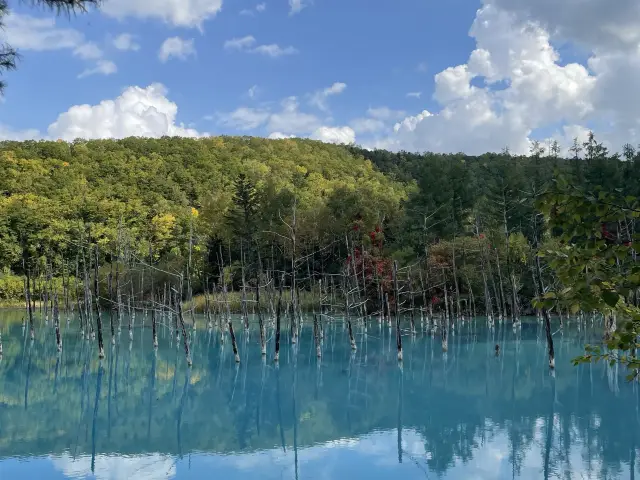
502	297
154	327
445	324
396	293
98	316
180	318
316	336
234	344
455	279
278	314
263	343
110	287
412	303
32	332
56	321
547	318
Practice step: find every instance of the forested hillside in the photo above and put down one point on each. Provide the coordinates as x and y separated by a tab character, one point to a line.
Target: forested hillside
159	196
264	202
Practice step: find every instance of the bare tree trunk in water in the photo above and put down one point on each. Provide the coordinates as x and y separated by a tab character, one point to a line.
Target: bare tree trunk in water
98	316
351	339
56	321
412	307
396	293
132	309
455	280
514	299
503	314
243	304
293	231
154	326
445	324
278	314
424	300
234	344
316	336
263	342
547	318
110	287
609	326
180	317
32	332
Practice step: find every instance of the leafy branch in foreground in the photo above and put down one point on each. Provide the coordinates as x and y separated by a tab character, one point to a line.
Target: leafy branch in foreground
596	265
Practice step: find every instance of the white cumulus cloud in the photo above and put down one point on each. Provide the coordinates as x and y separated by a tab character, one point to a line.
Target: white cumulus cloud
385	113
515	84
296	6
335	135
319	98
279	136
366	125
125	41
102	67
145	112
240	43
291	120
248	44
286	121
253	91
88	51
176	47
179	13
25	32
259	8
523	87
244	118
8	133
40	34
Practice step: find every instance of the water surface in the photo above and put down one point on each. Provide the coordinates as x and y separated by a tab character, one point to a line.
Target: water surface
466	414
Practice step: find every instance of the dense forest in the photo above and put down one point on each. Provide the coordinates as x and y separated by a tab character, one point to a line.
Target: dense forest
465	233
167	196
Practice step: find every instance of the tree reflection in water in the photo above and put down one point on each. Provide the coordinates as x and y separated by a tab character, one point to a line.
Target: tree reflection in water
347	414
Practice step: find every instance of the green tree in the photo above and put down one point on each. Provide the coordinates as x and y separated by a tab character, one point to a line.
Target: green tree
242	216
596	264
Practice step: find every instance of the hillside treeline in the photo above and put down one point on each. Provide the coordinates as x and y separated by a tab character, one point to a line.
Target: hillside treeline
223	208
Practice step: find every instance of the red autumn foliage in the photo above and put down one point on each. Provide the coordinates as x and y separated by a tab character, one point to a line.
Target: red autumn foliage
377	268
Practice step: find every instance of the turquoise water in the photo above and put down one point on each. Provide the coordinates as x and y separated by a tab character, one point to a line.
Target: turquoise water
464	415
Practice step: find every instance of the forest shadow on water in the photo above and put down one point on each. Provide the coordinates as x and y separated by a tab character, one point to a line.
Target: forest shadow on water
468	413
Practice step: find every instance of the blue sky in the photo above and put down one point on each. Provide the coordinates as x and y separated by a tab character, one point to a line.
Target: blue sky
336	43
366	55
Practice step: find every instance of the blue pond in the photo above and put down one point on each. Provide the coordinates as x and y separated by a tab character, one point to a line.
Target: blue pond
466	414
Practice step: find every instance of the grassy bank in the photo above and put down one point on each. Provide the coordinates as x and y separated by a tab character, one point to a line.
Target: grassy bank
309	301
